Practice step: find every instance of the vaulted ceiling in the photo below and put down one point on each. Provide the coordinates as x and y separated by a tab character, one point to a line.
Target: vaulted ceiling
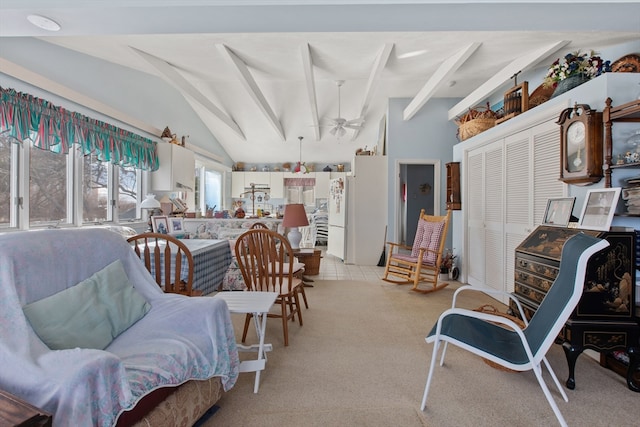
259	74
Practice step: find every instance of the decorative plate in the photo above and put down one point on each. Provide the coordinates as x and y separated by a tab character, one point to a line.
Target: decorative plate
627	64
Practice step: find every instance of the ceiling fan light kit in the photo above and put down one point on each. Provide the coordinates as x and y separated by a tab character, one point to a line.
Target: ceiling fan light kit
339	125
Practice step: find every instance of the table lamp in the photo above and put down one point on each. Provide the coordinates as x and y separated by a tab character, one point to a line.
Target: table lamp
150	203
294	216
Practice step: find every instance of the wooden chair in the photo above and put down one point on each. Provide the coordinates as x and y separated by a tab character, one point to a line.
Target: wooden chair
259	225
263	257
501	341
423	263
174	276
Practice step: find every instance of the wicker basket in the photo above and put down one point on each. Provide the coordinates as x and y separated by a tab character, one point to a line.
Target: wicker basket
473	127
488	308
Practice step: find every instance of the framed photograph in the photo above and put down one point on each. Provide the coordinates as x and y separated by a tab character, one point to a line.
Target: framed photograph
160	224
176	224
598	209
558	212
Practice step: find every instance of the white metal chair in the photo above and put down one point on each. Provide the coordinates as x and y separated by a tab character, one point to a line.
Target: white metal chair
501	340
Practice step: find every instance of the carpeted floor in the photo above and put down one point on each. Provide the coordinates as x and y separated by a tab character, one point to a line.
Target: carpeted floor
360	359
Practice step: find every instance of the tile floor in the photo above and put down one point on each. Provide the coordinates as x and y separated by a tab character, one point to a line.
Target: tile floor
332	268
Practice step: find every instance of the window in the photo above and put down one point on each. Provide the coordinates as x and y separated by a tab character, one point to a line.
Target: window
6	168
48	173
95	189
127	192
213	189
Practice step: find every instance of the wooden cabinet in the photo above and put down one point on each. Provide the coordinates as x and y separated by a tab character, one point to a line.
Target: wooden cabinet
605	318
176	171
629	112
453	186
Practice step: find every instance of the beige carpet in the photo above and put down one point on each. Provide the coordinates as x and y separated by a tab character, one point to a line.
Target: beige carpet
360	359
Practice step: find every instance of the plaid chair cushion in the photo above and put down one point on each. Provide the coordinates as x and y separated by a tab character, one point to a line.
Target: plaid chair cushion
428	237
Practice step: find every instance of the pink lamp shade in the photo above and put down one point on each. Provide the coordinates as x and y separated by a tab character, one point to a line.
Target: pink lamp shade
294	217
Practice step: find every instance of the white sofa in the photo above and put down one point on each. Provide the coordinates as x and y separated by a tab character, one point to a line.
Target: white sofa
153	342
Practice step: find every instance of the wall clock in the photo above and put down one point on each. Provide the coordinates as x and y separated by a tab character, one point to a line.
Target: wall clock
580	145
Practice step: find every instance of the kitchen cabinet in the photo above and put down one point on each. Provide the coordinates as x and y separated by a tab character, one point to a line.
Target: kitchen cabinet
176	171
276	180
237	184
260	179
322	185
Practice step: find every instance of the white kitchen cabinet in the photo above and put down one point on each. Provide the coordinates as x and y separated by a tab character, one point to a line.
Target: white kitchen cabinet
277	185
260	179
322	185
237	184
176	171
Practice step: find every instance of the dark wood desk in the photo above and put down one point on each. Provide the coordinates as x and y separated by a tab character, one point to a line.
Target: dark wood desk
16	412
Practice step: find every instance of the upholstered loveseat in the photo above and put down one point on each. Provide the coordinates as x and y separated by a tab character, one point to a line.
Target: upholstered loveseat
87	335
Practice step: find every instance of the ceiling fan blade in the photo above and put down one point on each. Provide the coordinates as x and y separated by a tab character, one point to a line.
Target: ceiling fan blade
358	121
356	127
333	130
341	131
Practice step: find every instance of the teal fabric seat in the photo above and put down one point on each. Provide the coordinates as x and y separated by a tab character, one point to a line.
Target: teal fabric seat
501	340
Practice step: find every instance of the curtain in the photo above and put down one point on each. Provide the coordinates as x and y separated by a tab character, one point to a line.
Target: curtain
53	128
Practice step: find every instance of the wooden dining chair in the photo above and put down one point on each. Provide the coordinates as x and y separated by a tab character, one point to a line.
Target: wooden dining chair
175	276
263	257
423	262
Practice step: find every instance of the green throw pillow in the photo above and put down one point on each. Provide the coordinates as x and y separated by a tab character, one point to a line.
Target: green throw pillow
90	314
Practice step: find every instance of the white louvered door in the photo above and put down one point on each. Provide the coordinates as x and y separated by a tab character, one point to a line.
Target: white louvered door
508	184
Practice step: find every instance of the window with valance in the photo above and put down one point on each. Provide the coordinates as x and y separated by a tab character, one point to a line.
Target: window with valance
53	128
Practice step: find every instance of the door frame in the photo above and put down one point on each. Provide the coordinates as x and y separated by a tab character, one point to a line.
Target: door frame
395	196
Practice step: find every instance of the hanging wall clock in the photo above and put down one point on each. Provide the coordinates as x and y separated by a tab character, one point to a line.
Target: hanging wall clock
580	145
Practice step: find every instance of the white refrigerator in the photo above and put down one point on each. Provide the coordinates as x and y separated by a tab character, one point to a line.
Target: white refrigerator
358	213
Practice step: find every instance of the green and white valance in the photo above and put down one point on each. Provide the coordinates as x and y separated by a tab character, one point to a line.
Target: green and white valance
25	117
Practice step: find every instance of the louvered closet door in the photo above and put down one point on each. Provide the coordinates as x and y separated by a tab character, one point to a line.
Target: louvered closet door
494	217
475	213
518	200
485	224
546	169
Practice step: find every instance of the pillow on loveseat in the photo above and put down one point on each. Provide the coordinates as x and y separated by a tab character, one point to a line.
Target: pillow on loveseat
90	314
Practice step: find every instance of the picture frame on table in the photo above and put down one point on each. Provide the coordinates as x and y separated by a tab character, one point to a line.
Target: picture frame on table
176	224
598	209
558	212
160	224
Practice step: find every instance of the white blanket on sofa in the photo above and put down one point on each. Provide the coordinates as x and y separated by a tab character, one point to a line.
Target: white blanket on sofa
179	339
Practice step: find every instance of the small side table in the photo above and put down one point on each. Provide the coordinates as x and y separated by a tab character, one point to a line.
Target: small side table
16	412
258	304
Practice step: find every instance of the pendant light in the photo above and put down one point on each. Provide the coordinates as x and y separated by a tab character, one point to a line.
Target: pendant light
301	167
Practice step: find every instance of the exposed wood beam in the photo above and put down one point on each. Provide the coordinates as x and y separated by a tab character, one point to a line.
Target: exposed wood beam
37	80
501	77
307	65
374	77
442	74
187	89
250	85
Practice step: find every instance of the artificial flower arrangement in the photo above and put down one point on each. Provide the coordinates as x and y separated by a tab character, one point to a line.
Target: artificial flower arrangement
588	64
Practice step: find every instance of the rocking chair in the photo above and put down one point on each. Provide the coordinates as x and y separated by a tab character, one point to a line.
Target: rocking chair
423	263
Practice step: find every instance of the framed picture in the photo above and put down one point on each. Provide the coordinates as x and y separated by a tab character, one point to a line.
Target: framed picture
558	212
160	224
176	224
598	209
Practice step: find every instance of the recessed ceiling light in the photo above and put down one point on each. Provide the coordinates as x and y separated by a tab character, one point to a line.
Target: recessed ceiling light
412	53
43	22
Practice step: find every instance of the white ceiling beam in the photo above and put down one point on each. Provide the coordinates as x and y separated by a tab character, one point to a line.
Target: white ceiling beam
185	88
250	85
37	80
374	77
501	77
307	65
443	74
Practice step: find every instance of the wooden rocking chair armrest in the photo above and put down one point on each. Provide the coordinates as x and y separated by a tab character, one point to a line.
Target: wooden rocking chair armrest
399	245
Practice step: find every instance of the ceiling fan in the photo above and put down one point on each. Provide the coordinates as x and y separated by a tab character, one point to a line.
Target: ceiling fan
340	125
